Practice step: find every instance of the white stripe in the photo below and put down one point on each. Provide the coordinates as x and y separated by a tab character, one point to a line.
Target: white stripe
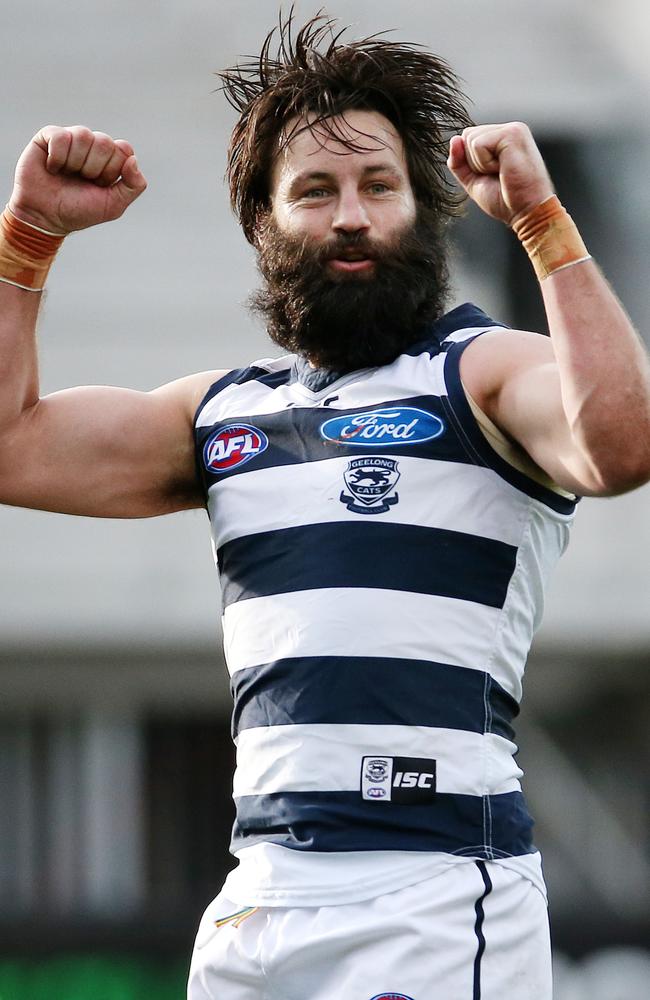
460	336
243	400
405	378
543	542
283	363
359	622
306	758
465	498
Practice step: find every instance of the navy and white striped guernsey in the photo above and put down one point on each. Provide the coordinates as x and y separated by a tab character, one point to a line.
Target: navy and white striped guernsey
382	573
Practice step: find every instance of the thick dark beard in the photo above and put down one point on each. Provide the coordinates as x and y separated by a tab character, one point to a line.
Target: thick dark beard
346	321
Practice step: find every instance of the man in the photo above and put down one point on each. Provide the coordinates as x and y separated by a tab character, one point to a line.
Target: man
386	504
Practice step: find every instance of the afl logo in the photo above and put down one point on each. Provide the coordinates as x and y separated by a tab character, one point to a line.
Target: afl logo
233	446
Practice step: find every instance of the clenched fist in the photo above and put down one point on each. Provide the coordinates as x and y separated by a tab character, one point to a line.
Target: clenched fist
501	169
71	178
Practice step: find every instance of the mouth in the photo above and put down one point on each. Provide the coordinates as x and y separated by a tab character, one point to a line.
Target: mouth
351	261
341	264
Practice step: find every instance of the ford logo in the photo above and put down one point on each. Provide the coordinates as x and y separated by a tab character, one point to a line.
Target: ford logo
377	428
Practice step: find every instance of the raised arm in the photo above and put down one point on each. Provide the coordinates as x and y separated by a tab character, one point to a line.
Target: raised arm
578	403
96	450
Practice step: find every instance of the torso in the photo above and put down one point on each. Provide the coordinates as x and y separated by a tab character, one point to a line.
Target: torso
382	573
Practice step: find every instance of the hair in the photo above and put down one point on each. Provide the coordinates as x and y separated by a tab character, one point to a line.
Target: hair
315	75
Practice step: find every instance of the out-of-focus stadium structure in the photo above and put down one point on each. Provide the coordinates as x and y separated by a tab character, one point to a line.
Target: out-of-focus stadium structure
114	753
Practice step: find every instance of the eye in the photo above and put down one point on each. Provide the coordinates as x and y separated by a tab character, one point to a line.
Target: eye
316	193
378	187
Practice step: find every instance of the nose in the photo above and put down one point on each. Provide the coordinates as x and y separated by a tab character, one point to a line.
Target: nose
350	215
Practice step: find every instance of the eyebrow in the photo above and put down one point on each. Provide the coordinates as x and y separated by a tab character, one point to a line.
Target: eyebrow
308	176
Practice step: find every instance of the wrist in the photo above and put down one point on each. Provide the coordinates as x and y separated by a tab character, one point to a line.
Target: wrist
35	219
550	237
27	252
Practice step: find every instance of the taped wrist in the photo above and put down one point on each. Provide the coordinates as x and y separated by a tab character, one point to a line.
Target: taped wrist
26	252
550	238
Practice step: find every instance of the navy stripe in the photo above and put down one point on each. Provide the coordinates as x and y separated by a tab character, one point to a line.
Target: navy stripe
479	448
372	555
341	690
343	821
294	437
478	928
464	317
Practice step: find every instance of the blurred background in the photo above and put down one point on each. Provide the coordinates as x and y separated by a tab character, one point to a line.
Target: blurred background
115	755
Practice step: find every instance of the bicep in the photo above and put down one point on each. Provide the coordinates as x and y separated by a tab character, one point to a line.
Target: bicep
102	451
515	375
530	410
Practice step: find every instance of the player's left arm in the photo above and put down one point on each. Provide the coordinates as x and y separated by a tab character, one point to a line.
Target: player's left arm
579	403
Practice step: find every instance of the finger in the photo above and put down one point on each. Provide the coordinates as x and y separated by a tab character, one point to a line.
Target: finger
457	162
481	151
82	140
129	187
55	143
456	158
113	168
100	153
125	146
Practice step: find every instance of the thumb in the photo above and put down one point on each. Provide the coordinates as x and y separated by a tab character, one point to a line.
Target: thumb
130	185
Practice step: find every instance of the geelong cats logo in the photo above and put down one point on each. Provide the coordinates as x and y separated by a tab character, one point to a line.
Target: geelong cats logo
371	483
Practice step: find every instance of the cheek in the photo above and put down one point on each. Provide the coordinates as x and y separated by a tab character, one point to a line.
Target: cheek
310	222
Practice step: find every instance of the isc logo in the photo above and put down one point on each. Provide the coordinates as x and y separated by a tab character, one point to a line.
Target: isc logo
413	779
398	779
233	446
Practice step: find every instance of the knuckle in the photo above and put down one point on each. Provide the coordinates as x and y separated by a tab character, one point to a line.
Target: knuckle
82	134
103	143
518	129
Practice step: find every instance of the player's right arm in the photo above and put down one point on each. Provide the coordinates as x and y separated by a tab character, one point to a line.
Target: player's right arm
96	450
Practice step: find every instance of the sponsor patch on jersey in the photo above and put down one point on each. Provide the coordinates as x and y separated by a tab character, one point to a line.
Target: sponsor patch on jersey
409	780
232	446
395	425
371	483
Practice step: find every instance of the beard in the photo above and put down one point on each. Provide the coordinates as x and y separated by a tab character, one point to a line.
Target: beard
344	321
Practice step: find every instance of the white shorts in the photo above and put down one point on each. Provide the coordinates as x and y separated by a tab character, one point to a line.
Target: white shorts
476	932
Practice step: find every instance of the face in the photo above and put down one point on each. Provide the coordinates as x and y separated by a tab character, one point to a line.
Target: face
353	270
324	192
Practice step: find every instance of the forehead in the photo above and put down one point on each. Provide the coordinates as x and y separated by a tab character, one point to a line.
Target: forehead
322	148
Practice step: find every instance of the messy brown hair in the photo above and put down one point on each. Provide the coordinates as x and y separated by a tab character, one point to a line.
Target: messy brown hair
317	75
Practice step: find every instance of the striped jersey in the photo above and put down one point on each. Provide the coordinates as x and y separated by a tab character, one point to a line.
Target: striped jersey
382	571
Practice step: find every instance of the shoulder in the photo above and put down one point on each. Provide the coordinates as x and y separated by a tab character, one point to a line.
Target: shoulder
462	324
264	375
185	394
497	357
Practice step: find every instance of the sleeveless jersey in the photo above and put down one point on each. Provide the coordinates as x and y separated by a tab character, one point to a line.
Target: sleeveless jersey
382	571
